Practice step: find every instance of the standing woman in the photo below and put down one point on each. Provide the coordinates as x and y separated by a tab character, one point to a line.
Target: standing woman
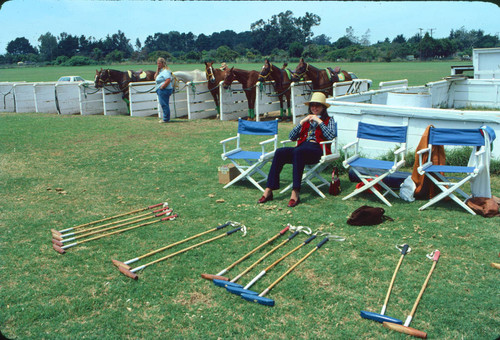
164	88
316	127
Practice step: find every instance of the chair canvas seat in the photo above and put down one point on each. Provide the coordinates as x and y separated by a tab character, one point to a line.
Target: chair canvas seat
313	171
250	163
371	164
369	170
436	173
450	169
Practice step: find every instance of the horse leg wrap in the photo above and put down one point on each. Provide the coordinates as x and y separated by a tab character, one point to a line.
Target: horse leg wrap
289	112
282	112
251	113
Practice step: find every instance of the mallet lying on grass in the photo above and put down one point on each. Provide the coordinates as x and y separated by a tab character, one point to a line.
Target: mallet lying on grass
126	263
113	217
131	272
58	235
269	302
404	249
219	276
223	283
405	328
62	249
239	289
60	240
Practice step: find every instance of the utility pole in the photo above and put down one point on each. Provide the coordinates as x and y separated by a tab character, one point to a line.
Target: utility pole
432	29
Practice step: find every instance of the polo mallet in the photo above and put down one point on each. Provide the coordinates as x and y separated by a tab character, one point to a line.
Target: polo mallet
404	249
225	284
126	263
261	299
62	249
219	276
495	265
60	240
58	235
132	272
405	328
113	217
238	290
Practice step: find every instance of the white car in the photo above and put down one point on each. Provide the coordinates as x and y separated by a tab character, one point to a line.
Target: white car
73	79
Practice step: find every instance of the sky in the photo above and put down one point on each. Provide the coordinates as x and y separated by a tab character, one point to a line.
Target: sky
140	19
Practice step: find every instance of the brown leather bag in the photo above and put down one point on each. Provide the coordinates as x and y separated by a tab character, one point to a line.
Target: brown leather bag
366	215
487	207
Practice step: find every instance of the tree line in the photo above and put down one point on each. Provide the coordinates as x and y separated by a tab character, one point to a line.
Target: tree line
281	38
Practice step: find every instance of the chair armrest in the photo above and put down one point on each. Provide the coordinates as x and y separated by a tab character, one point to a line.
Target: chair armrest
228	140
401	149
268	141
349	145
287	141
423	151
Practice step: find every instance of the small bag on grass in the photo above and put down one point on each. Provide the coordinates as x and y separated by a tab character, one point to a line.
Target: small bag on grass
366	215
335	183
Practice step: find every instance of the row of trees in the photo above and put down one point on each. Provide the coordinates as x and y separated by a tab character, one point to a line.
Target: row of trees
283	37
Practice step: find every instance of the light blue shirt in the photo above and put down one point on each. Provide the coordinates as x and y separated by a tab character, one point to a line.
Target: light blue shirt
162	77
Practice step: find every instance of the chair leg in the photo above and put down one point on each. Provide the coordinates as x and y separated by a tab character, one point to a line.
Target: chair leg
370	185
448	192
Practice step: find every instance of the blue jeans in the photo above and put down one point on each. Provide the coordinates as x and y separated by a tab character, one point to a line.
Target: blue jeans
164	98
299	156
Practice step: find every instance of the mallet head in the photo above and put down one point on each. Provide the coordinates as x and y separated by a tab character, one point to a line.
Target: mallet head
58	249
258	299
55	232
57	237
224	284
56	242
120	264
406	330
214	277
379	317
128	273
240	290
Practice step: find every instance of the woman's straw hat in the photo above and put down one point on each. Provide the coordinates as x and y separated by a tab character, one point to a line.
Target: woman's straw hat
318	97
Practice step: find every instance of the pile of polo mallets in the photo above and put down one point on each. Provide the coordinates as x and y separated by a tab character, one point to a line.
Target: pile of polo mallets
125	269
244	291
396	324
70	237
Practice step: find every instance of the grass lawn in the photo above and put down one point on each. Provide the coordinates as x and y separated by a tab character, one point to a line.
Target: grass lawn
61	171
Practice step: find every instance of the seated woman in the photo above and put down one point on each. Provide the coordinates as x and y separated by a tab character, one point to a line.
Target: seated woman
316	127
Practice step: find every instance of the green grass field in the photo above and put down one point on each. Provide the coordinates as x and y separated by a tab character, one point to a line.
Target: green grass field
61	171
417	73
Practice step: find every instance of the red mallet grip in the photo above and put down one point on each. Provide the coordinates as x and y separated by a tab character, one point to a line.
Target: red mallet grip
437	253
285	230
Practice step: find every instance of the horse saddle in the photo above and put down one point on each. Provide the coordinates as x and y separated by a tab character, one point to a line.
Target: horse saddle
335	74
137	76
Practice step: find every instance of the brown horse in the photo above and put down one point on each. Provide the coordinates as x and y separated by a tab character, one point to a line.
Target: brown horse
322	80
107	76
248	79
214	77
282	81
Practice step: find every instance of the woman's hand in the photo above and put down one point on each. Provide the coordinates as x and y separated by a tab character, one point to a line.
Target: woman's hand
310	118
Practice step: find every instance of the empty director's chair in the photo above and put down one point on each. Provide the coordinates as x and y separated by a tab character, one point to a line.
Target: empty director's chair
436	173
254	160
313	171
367	133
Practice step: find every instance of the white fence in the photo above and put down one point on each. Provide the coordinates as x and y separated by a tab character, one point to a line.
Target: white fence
192	100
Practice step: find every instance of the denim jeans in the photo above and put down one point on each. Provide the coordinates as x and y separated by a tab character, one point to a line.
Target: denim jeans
164	98
299	156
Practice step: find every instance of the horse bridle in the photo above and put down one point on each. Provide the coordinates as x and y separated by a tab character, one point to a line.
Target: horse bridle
303	73
211	75
268	73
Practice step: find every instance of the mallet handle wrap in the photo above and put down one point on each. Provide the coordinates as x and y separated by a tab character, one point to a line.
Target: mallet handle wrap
285	230
310	239
223	225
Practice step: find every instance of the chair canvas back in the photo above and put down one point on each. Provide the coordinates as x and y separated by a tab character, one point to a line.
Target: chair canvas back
396	134
248	127
466	137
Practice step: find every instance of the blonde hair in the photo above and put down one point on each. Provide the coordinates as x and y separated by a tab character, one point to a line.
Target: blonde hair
163	61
